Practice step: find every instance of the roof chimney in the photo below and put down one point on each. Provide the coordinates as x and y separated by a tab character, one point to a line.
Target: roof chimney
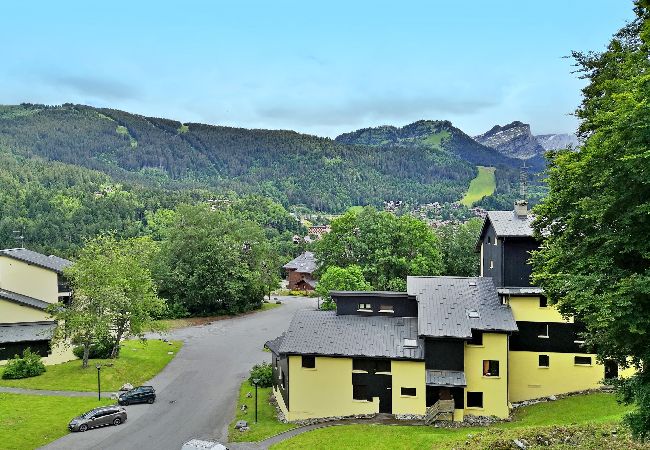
521	208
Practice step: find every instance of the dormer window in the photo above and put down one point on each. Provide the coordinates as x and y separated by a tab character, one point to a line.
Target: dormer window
386	309
410	343
473	314
366	307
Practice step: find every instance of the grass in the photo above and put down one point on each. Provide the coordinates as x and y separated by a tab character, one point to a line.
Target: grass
172	324
138	362
483	185
267	424
31	421
594	410
435	140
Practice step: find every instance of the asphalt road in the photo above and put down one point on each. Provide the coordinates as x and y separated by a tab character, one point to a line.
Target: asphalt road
196	392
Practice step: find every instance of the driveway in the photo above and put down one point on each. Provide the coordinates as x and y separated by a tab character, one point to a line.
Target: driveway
196	392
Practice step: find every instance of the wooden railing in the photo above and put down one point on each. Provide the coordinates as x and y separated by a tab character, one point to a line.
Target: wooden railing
438	408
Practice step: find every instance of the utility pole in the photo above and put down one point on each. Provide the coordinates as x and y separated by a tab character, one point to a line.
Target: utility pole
20	236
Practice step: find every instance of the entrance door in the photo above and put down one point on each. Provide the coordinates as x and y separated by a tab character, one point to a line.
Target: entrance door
386	401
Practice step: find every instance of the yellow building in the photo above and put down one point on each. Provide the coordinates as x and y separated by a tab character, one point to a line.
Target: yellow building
29	283
447	348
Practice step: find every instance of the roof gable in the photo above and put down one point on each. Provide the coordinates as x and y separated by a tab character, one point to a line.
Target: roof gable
305	263
23	300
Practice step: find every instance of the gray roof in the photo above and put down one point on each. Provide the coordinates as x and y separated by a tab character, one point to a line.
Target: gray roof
23	299
508	224
305	263
445	378
26	331
445	304
325	333
523	291
274	344
50	262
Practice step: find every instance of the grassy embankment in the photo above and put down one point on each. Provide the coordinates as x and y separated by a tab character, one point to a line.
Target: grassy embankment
483	185
172	324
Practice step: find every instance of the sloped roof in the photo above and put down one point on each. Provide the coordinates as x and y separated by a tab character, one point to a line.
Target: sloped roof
325	333
446	304
26	331
305	263
23	300
50	262
274	344
445	378
508	224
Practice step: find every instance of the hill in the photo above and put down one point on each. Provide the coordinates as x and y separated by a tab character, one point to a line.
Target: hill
557	141
514	140
292	168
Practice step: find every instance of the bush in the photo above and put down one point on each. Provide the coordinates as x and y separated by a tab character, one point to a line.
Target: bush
98	350
30	365
264	374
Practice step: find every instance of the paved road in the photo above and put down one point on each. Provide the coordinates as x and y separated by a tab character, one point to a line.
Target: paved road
196	392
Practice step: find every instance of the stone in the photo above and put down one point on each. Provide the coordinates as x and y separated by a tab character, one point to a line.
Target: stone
165	340
241	424
552	398
126	387
244	407
519	444
249	395
242	429
170	353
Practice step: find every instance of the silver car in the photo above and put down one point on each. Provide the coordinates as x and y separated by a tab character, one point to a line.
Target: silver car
98	417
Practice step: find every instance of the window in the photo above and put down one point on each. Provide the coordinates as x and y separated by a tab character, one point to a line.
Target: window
543	330
410	343
582	360
473	314
386	308
491	264
382	365
489	240
360	392
543	302
490	368
475	399
408	392
371	365
365	307
543	361
477	338
309	362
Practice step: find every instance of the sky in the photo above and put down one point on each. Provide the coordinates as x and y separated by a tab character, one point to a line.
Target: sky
316	67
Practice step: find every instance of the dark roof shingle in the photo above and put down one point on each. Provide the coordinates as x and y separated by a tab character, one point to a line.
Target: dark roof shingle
445	378
50	262
508	224
305	263
23	300
26	331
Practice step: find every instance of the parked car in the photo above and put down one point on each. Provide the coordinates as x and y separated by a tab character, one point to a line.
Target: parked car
98	417
197	444
141	394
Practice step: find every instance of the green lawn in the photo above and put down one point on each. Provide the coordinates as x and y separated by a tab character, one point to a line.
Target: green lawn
595	410
483	185
30	421
267	425
138	362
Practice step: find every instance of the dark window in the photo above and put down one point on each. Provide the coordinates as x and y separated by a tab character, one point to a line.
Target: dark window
477	338
543	302
371	365
544	361
582	360
490	368
543	330
475	399
309	362
489	240
360	392
382	365
410	392
386	308
365	306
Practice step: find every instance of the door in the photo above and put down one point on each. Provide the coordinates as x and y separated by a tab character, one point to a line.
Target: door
386	401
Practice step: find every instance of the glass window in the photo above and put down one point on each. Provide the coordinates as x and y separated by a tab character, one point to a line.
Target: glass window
365	306
543	330
543	361
309	362
475	399
543	302
477	338
360	392
410	392
386	308
582	360
490	368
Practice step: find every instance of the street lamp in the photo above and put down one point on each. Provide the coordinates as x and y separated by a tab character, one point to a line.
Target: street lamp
255	382
99	386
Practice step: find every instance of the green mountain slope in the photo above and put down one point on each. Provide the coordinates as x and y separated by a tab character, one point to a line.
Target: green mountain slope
416	166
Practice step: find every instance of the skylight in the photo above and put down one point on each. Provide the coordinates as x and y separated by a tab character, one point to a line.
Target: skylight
410	343
473	314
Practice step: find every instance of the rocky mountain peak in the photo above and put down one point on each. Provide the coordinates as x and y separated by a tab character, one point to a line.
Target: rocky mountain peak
514	139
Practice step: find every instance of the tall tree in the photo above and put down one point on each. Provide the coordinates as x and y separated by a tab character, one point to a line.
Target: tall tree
595	261
386	247
340	279
457	242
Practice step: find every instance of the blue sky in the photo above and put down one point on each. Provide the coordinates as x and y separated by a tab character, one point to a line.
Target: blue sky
316	67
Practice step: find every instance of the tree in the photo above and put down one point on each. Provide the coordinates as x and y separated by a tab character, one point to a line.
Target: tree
595	260
386	247
340	279
457	242
211	262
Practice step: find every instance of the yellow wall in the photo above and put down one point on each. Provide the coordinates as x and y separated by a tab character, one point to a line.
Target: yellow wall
495	389
409	374
527	309
30	280
280	400
325	391
529	381
13	313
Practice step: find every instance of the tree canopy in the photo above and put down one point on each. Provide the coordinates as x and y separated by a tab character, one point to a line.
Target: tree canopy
595	260
340	279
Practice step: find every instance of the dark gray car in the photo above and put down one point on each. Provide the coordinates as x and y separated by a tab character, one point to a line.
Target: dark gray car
98	417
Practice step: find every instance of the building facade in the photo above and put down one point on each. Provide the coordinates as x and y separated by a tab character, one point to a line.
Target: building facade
29	283
300	272
446	348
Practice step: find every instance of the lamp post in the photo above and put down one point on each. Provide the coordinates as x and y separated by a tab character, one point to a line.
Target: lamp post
255	382
99	386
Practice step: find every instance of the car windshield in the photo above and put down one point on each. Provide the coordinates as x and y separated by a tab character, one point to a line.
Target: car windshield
89	414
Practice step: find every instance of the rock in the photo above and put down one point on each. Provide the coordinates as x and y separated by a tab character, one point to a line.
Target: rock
552	398
170	353
126	387
241	424
242	429
169	343
165	340
519	444
249	395
244	407
278	302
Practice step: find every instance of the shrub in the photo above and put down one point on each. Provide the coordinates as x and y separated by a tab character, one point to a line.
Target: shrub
30	365
264	374
98	350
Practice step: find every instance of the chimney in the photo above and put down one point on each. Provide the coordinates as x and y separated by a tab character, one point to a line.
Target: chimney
521	208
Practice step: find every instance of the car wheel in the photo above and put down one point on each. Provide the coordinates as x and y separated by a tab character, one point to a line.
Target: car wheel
125	403
83	427
151	400
117	421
